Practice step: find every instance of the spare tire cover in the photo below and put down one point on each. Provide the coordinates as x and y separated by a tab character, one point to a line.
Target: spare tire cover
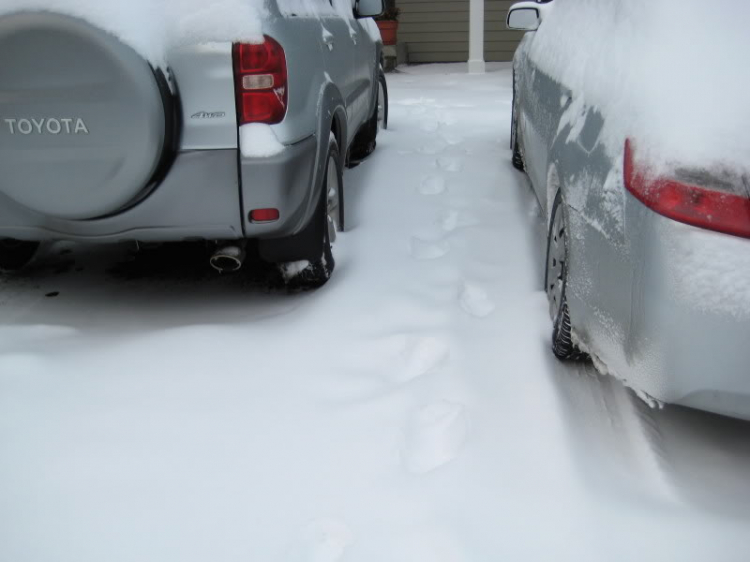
82	118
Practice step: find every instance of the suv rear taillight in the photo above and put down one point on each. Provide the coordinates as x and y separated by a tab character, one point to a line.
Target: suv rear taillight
260	80
703	206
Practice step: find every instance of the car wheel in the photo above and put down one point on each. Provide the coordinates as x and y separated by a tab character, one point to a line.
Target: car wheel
329	218
517	159
364	143
15	254
513	115
382	101
555	284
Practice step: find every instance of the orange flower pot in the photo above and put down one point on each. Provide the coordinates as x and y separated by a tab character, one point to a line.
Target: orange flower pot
388	31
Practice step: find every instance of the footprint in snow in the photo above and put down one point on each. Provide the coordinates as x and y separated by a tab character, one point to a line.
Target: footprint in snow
447	119
323	540
434	436
452	220
418	110
475	301
452	139
432	148
429	125
432	185
423	355
449	164
427	250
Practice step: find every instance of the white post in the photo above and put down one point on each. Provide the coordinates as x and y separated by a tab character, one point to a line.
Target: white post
476	36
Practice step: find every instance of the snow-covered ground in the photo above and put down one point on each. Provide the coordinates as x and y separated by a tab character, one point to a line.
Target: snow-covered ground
409	411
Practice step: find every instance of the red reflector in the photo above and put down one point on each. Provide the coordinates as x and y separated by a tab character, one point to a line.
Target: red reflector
260	78
261	107
264	215
705	208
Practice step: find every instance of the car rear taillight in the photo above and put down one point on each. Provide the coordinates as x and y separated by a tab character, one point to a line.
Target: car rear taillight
699	206
260	80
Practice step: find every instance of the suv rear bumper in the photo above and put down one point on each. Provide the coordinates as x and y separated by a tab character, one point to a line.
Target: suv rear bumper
201	198
284	182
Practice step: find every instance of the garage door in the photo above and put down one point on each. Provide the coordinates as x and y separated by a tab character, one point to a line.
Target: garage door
438	30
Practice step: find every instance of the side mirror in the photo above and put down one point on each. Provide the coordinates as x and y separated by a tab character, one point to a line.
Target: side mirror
523	16
368	8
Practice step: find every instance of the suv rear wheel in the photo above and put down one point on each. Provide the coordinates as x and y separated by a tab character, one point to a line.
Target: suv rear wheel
328	219
382	101
365	141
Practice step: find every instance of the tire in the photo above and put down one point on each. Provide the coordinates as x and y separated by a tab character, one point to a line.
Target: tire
365	142
382	107
117	145
328	218
513	116
517	158
15	254
555	284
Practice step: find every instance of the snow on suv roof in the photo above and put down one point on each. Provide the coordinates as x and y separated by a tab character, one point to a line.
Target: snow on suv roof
153	27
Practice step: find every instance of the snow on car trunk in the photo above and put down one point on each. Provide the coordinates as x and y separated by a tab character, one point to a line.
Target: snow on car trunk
666	73
409	411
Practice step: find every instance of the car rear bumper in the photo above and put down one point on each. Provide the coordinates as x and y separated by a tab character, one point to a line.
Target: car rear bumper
689	341
197	200
283	182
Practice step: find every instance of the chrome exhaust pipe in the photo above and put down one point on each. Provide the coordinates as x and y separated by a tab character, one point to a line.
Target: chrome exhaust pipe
228	258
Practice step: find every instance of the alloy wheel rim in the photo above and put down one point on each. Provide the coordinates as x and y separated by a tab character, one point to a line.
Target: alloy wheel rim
332	199
556	266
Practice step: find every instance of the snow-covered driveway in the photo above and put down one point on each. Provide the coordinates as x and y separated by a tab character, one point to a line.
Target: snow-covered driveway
409	411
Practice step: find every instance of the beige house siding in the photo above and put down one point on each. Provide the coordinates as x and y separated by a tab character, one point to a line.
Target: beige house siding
438	31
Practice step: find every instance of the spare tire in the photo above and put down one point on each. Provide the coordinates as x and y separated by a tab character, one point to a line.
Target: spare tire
85	124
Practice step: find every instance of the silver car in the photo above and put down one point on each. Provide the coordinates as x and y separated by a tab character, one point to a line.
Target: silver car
99	145
648	275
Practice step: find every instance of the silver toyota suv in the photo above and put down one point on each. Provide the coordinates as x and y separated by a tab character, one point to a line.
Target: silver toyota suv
227	142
